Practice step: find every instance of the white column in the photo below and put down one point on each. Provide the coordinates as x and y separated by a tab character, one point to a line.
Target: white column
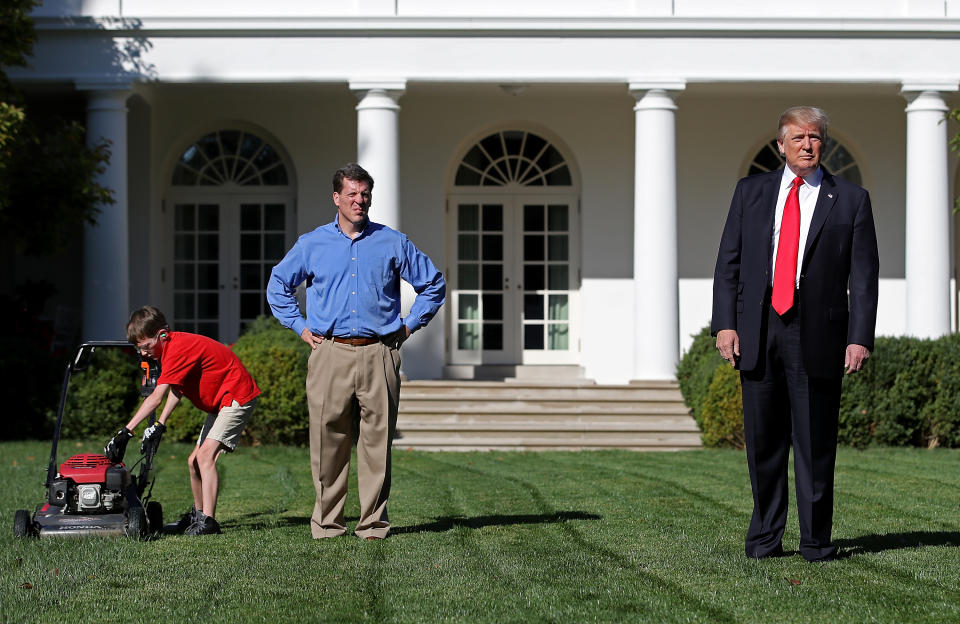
927	211
106	247
377	144
656	308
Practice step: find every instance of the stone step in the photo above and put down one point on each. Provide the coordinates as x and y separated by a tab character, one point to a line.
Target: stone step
635	425
473	441
539	415
541	409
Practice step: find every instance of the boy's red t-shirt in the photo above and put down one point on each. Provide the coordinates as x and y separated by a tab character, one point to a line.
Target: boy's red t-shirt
205	371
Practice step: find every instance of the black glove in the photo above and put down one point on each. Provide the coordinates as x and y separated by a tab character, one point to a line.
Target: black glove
117	445
151	435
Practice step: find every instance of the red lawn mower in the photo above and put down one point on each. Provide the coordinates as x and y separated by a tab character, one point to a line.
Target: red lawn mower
90	494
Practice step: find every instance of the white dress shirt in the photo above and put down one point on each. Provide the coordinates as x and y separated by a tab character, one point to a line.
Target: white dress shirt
809	191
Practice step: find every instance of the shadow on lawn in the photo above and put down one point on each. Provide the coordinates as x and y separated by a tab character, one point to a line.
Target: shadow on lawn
446	523
895	541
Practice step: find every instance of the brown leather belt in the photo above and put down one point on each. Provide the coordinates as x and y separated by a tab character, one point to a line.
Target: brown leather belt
355	341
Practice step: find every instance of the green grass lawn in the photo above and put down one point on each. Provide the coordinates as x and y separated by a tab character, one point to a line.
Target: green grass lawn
501	537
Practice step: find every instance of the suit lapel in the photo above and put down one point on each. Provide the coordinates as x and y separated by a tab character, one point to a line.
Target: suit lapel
825	202
770	192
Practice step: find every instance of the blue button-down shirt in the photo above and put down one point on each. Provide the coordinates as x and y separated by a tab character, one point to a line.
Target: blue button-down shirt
353	285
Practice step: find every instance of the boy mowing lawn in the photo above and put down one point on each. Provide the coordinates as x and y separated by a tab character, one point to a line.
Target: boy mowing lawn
214	380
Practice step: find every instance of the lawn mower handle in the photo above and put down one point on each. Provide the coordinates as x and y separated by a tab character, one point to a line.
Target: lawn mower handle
79	362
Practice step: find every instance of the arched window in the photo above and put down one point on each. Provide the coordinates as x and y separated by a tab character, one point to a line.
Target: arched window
513	156
835	158
232	199
230	156
514	234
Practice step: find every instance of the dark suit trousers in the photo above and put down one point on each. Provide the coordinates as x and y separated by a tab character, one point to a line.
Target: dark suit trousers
782	404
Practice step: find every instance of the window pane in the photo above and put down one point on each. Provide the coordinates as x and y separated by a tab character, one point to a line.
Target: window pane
468	247
493	247
208	305
533	277
208	218
559	277
183	276
557	218
467	177
559	177
210	330
250	217
558	247
533	337
469	307
493	337
476	158
533	248
558	308
493	277
183	247
533	219
468	336
208	276
230	139
185	217
558	337
533	146
492	218
250	247
273	246
276	176
208	247
249	145
492	307
493	146
469	217
250	304
183	305
468	277
533	307
250	276
274	217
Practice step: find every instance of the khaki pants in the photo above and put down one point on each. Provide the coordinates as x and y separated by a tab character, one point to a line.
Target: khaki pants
339	378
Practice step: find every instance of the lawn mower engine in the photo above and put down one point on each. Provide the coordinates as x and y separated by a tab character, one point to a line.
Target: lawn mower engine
91	495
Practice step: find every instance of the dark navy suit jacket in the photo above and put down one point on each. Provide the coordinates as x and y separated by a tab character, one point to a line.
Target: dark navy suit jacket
838	275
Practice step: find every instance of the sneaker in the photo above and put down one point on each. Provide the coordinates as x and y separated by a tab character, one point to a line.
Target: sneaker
183	523
203	525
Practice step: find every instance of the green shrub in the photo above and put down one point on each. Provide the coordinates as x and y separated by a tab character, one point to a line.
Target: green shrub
723	410
102	397
908	393
696	369
277	360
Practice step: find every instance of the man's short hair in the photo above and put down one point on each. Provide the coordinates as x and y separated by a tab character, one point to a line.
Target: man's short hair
145	323
351	171
803	115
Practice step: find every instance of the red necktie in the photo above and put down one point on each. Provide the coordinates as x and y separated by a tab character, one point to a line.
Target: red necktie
785	273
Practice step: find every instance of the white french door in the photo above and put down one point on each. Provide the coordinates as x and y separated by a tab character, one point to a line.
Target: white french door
515	279
224	249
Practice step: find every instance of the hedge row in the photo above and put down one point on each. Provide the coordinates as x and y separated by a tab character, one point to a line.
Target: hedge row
104	396
908	394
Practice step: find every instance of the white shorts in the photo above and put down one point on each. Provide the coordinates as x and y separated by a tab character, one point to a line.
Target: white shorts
227	425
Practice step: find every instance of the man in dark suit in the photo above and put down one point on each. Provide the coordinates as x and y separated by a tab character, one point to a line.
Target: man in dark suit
794	305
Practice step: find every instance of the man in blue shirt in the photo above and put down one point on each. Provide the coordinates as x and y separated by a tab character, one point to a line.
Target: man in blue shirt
352	268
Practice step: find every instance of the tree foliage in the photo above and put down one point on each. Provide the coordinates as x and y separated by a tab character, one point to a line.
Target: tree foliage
48	187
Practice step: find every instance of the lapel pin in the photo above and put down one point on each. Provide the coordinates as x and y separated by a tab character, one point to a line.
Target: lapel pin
829	195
